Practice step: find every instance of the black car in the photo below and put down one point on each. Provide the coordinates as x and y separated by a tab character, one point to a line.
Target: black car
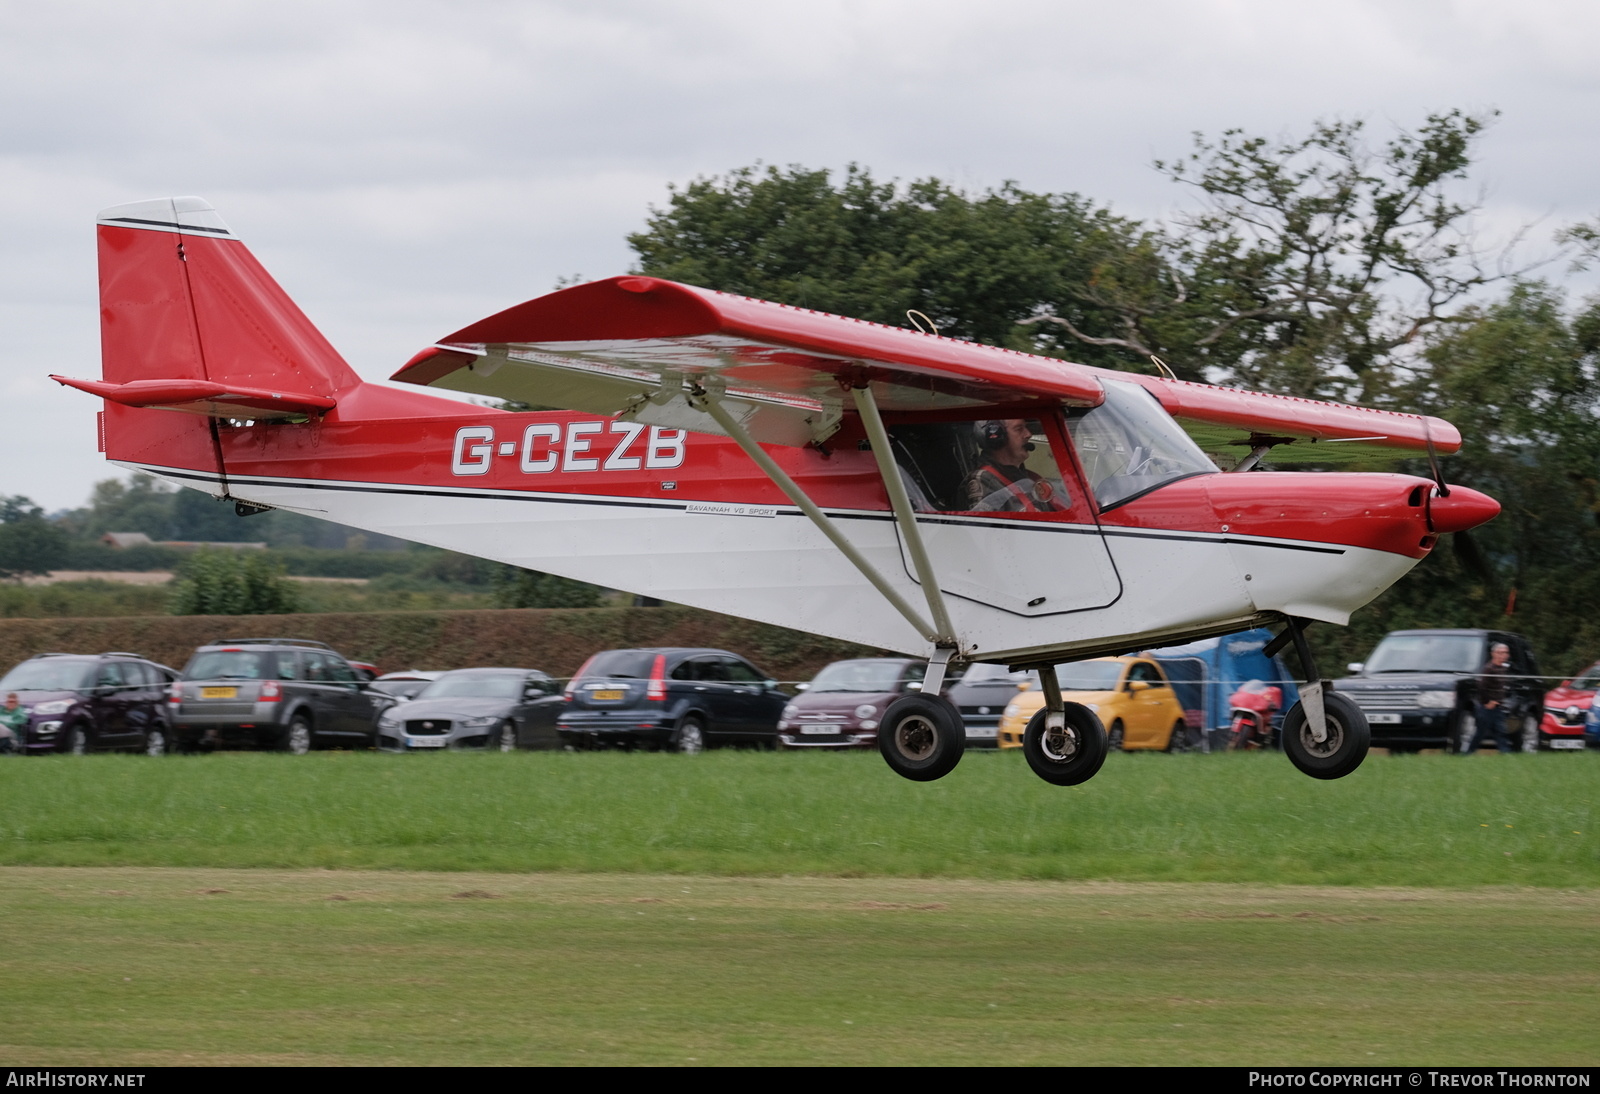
1418	688
683	699
981	694
287	694
476	708
92	702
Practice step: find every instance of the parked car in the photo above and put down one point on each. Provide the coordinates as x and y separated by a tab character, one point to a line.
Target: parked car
1418	687
981	694
476	708
288	694
683	699
92	702
842	706
1566	709
1130	696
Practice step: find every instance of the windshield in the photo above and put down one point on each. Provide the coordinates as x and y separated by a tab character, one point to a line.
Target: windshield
1129	445
1427	653
980	673
52	675
1589	681
621	664
474	686
1089	676
232	665
866	676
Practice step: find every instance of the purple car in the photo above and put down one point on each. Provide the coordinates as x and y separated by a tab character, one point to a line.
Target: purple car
842	707
92	702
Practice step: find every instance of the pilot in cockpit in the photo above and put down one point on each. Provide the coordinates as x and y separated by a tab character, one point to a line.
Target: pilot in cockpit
1002	482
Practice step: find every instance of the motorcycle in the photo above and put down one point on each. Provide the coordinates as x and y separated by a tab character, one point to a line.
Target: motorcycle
1253	707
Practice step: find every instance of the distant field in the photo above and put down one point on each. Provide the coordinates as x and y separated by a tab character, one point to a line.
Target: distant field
134	967
1424	820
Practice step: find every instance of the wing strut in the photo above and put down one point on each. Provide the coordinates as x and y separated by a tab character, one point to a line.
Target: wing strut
903	515
707	400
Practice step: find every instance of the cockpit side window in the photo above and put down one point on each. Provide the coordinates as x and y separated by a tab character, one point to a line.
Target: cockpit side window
995	466
1129	445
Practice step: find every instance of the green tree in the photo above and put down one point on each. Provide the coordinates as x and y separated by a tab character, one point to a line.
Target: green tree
233	582
29	544
515	587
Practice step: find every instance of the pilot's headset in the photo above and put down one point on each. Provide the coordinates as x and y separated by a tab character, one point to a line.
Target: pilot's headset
992	435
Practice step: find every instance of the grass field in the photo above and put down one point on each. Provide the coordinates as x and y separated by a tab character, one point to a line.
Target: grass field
744	907
1424	820
157	966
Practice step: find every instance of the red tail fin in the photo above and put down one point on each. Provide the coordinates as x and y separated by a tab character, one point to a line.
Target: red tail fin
181	298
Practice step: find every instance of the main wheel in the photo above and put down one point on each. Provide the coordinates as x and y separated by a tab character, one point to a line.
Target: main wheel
508	736
1067	756
1343	749
155	743
297	738
1116	737
921	737
691	737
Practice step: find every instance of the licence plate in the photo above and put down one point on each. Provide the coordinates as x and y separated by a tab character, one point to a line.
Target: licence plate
425	742
1383	719
982	733
607	696
823	728
219	693
1566	744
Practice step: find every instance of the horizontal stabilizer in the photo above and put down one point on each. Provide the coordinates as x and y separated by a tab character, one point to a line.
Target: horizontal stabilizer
204	397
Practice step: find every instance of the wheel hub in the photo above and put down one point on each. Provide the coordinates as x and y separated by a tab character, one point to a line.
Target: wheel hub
915	737
1059	745
1326	747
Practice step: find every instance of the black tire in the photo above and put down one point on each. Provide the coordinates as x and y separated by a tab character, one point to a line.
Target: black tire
297	739
1071	757
507	738
921	737
78	740
1116	737
155	742
1345	747
690	739
1178	739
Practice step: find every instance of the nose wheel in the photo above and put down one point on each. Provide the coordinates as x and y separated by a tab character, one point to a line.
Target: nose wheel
1325	735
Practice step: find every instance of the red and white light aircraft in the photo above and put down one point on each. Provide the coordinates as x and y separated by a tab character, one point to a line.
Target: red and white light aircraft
888	487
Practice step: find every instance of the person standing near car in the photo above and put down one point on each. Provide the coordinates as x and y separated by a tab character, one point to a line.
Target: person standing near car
1491	704
13	716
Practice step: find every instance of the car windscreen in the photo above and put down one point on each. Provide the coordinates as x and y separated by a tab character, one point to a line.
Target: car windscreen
1427	653
51	675
400	689
1089	676
980	673
230	665
862	676
1589	681
621	664
473	686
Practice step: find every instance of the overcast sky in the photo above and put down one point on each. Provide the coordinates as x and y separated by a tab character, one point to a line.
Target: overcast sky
406	167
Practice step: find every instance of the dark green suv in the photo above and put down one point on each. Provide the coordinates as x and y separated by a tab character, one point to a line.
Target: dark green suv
287	694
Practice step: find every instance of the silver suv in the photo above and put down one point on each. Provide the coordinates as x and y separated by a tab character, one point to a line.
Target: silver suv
288	694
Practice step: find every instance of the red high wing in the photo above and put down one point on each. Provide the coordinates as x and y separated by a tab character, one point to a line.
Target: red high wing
642	327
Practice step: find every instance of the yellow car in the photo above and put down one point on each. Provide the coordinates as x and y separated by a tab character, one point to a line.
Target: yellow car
1130	695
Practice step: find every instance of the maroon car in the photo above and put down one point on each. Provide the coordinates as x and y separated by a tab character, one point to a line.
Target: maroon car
81	703
842	707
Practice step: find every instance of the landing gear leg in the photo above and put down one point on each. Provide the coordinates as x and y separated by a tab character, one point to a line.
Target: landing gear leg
922	736
1325	735
1064	743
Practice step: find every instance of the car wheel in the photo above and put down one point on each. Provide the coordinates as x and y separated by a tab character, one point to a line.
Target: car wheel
690	738
1177	740
78	741
508	736
1069	755
1116	737
155	743
1344	747
921	737
297	738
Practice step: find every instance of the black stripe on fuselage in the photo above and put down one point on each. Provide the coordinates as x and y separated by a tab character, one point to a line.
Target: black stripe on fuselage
635	503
